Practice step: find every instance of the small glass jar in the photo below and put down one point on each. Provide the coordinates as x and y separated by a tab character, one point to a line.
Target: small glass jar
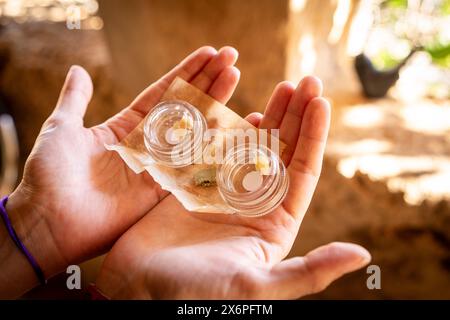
246	188
173	133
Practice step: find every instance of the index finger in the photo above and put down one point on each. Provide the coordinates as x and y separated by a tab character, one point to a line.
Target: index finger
186	69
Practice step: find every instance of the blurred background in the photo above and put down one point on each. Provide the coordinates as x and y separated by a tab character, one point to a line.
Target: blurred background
386	69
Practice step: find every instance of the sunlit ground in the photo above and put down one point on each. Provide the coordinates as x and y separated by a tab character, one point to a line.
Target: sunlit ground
403	140
405	144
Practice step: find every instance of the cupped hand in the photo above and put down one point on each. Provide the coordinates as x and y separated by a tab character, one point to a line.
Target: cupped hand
76	198
172	253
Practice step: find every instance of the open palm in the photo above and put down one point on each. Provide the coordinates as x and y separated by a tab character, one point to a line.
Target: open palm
85	196
173	253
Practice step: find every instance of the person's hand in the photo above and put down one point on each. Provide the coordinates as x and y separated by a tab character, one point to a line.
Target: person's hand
173	253
76	198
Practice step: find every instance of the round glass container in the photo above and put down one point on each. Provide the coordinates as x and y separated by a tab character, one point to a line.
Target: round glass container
252	180
173	133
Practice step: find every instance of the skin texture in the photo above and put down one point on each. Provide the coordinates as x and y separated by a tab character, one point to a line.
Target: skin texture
171	253
77	199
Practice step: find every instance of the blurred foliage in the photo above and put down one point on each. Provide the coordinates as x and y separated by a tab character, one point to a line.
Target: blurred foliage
401	4
384	60
444	7
440	54
439	50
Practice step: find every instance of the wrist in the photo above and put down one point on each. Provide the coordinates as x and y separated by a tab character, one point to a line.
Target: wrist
28	219
33	231
121	278
119	287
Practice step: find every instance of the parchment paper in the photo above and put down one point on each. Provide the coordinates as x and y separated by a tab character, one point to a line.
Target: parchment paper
179	181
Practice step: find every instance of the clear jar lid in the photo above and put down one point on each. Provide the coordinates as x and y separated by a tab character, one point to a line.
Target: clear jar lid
252	180
173	133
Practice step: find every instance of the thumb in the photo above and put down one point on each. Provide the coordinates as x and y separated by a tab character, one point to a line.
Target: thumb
299	276
75	94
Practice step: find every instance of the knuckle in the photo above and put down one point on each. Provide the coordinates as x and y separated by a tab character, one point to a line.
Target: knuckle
247	283
53	122
315	283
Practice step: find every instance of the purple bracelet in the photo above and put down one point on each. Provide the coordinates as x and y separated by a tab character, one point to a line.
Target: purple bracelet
37	269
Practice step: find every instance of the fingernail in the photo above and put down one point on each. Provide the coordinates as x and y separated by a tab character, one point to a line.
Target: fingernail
74	69
364	254
70	73
234	53
358	254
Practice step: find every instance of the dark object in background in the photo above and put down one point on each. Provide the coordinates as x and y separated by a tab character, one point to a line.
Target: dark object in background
376	83
9	145
9	152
